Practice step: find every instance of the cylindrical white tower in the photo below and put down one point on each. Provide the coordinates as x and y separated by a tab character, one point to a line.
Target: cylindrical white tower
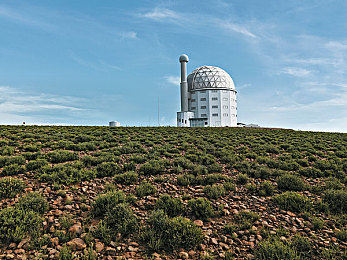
184	85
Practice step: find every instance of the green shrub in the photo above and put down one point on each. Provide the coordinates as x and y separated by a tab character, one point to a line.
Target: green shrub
245	219
65	254
126	178
201	208
17	224
152	167
242	179
215	191
33	201
7	150
266	189
290	182
274	249
317	223
106	202
301	245
251	188
171	206
336	200
145	189
12	169
36	164
61	156
293	201
229	186
186	179
120	219
169	234
108	169
342	234
7	160
10	187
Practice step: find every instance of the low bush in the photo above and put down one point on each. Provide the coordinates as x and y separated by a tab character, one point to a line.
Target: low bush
251	188
186	179
17	224
168	234
152	167
301	245
242	179
7	160
229	186
12	169
317	223
245	219
126	178
36	164
104	203
60	156
201	208
10	187
290	182
293	201
121	219
215	191
275	249
266	189
342	234
108	169
145	189
33	201
171	206
336	200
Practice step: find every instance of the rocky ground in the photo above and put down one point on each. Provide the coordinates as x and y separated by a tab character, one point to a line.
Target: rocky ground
76	202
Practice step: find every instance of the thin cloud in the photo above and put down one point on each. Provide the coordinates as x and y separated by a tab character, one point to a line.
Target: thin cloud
129	35
238	29
297	72
174	80
160	14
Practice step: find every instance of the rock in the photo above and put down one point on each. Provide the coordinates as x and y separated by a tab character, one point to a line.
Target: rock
198	222
12	246
111	251
291	214
53	251
99	247
133	249
192	253
19	251
55	241
10	256
184	255
76	229
21	243
77	243
214	241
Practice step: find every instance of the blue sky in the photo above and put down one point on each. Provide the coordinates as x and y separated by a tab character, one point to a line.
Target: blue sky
89	62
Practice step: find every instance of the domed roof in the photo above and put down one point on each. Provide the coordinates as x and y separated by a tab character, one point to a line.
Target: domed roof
184	58
209	77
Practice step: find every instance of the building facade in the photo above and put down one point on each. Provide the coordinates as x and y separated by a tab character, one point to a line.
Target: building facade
208	97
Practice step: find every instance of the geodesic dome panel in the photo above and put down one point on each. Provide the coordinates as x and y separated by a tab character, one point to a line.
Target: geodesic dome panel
209	77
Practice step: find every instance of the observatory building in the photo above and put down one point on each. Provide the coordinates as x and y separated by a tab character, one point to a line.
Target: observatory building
208	97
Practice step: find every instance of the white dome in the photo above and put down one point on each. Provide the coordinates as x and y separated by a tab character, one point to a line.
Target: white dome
209	77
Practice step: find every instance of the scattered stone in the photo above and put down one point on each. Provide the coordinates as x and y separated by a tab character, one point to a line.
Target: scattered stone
99	247
183	255
77	243
198	222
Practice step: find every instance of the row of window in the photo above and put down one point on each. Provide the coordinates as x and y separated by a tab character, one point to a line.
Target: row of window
214	99
216	114
214	106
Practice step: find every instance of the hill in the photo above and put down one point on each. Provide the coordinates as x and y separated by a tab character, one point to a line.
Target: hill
167	193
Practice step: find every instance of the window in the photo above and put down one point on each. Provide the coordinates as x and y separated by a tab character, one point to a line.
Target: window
193	100
205	123
203	107
203	91
214	106
203	115
215	114
225	114
185	121
214	91
225	91
225	99
182	120
193	108
202	99
214	98
225	107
